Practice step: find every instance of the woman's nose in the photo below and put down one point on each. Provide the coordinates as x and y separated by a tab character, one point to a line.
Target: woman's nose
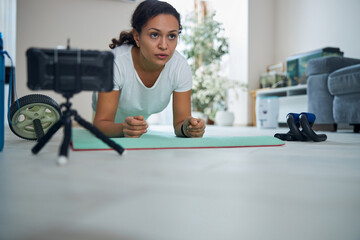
163	43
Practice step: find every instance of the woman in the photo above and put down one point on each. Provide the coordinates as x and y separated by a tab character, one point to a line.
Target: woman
147	70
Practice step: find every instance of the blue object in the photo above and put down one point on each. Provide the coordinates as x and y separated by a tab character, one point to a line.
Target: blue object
310	117
295	115
2	94
12	87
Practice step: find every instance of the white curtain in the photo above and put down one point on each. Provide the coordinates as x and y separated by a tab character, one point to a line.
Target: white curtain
8	27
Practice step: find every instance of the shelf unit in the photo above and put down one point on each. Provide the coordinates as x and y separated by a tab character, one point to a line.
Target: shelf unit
291	99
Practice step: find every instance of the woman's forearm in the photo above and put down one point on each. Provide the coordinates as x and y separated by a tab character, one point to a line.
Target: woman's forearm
177	130
110	129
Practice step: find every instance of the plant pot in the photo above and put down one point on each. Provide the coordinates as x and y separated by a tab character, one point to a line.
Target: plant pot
224	118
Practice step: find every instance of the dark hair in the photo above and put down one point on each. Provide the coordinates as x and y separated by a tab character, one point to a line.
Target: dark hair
143	13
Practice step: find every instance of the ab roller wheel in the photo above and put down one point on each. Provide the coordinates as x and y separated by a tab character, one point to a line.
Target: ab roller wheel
33	116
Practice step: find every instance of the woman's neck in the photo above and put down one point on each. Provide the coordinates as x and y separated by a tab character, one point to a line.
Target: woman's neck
142	64
147	72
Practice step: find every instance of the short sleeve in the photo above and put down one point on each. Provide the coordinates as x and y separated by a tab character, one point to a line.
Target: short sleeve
184	78
118	80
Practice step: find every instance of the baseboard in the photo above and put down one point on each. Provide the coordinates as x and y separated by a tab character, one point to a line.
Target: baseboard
331	127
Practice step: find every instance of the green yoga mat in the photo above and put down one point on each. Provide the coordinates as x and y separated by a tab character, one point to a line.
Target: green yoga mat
84	140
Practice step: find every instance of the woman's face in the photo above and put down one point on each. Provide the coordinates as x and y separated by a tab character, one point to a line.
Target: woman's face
158	39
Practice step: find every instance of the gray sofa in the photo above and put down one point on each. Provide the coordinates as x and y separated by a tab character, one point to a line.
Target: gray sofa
334	91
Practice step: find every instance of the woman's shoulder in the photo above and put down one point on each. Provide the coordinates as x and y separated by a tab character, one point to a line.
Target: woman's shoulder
122	56
178	59
121	50
178	56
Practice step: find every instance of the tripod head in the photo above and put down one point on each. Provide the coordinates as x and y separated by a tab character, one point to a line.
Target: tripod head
69	71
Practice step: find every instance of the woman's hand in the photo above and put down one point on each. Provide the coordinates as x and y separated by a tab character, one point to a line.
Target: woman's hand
193	127
134	127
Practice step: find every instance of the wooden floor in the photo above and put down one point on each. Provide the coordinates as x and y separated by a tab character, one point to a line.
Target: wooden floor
302	190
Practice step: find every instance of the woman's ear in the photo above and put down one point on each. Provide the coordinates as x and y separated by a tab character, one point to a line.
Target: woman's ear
136	36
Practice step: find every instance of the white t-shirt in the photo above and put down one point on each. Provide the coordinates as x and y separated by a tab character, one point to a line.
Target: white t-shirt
137	99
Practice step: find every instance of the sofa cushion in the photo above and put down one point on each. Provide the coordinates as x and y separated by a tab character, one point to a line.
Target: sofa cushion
329	64
345	80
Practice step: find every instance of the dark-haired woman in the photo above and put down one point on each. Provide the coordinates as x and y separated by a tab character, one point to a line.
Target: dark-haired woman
147	71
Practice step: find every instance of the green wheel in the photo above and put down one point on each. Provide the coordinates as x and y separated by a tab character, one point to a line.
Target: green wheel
32	107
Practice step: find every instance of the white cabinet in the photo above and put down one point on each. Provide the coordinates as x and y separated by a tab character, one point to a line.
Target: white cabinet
291	99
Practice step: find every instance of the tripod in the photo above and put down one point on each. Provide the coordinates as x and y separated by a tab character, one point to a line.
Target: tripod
65	121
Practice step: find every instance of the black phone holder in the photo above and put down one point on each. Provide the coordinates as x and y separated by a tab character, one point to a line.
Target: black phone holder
68	72
305	121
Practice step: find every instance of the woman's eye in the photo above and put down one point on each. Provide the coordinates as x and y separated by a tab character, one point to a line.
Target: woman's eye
172	36
154	35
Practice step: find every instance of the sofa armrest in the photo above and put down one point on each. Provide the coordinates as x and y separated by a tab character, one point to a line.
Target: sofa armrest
345	80
329	64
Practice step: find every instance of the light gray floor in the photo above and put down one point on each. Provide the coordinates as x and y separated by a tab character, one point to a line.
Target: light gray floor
303	190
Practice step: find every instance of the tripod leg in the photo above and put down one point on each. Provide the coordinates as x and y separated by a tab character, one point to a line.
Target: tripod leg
64	148
42	141
99	134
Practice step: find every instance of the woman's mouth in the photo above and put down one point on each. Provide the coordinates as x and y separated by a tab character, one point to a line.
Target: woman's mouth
161	56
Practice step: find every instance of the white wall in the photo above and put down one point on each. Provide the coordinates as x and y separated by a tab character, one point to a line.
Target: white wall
306	25
261	32
261	39
281	28
90	24
234	17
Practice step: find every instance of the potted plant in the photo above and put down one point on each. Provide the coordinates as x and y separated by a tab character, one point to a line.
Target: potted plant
205	46
209	93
